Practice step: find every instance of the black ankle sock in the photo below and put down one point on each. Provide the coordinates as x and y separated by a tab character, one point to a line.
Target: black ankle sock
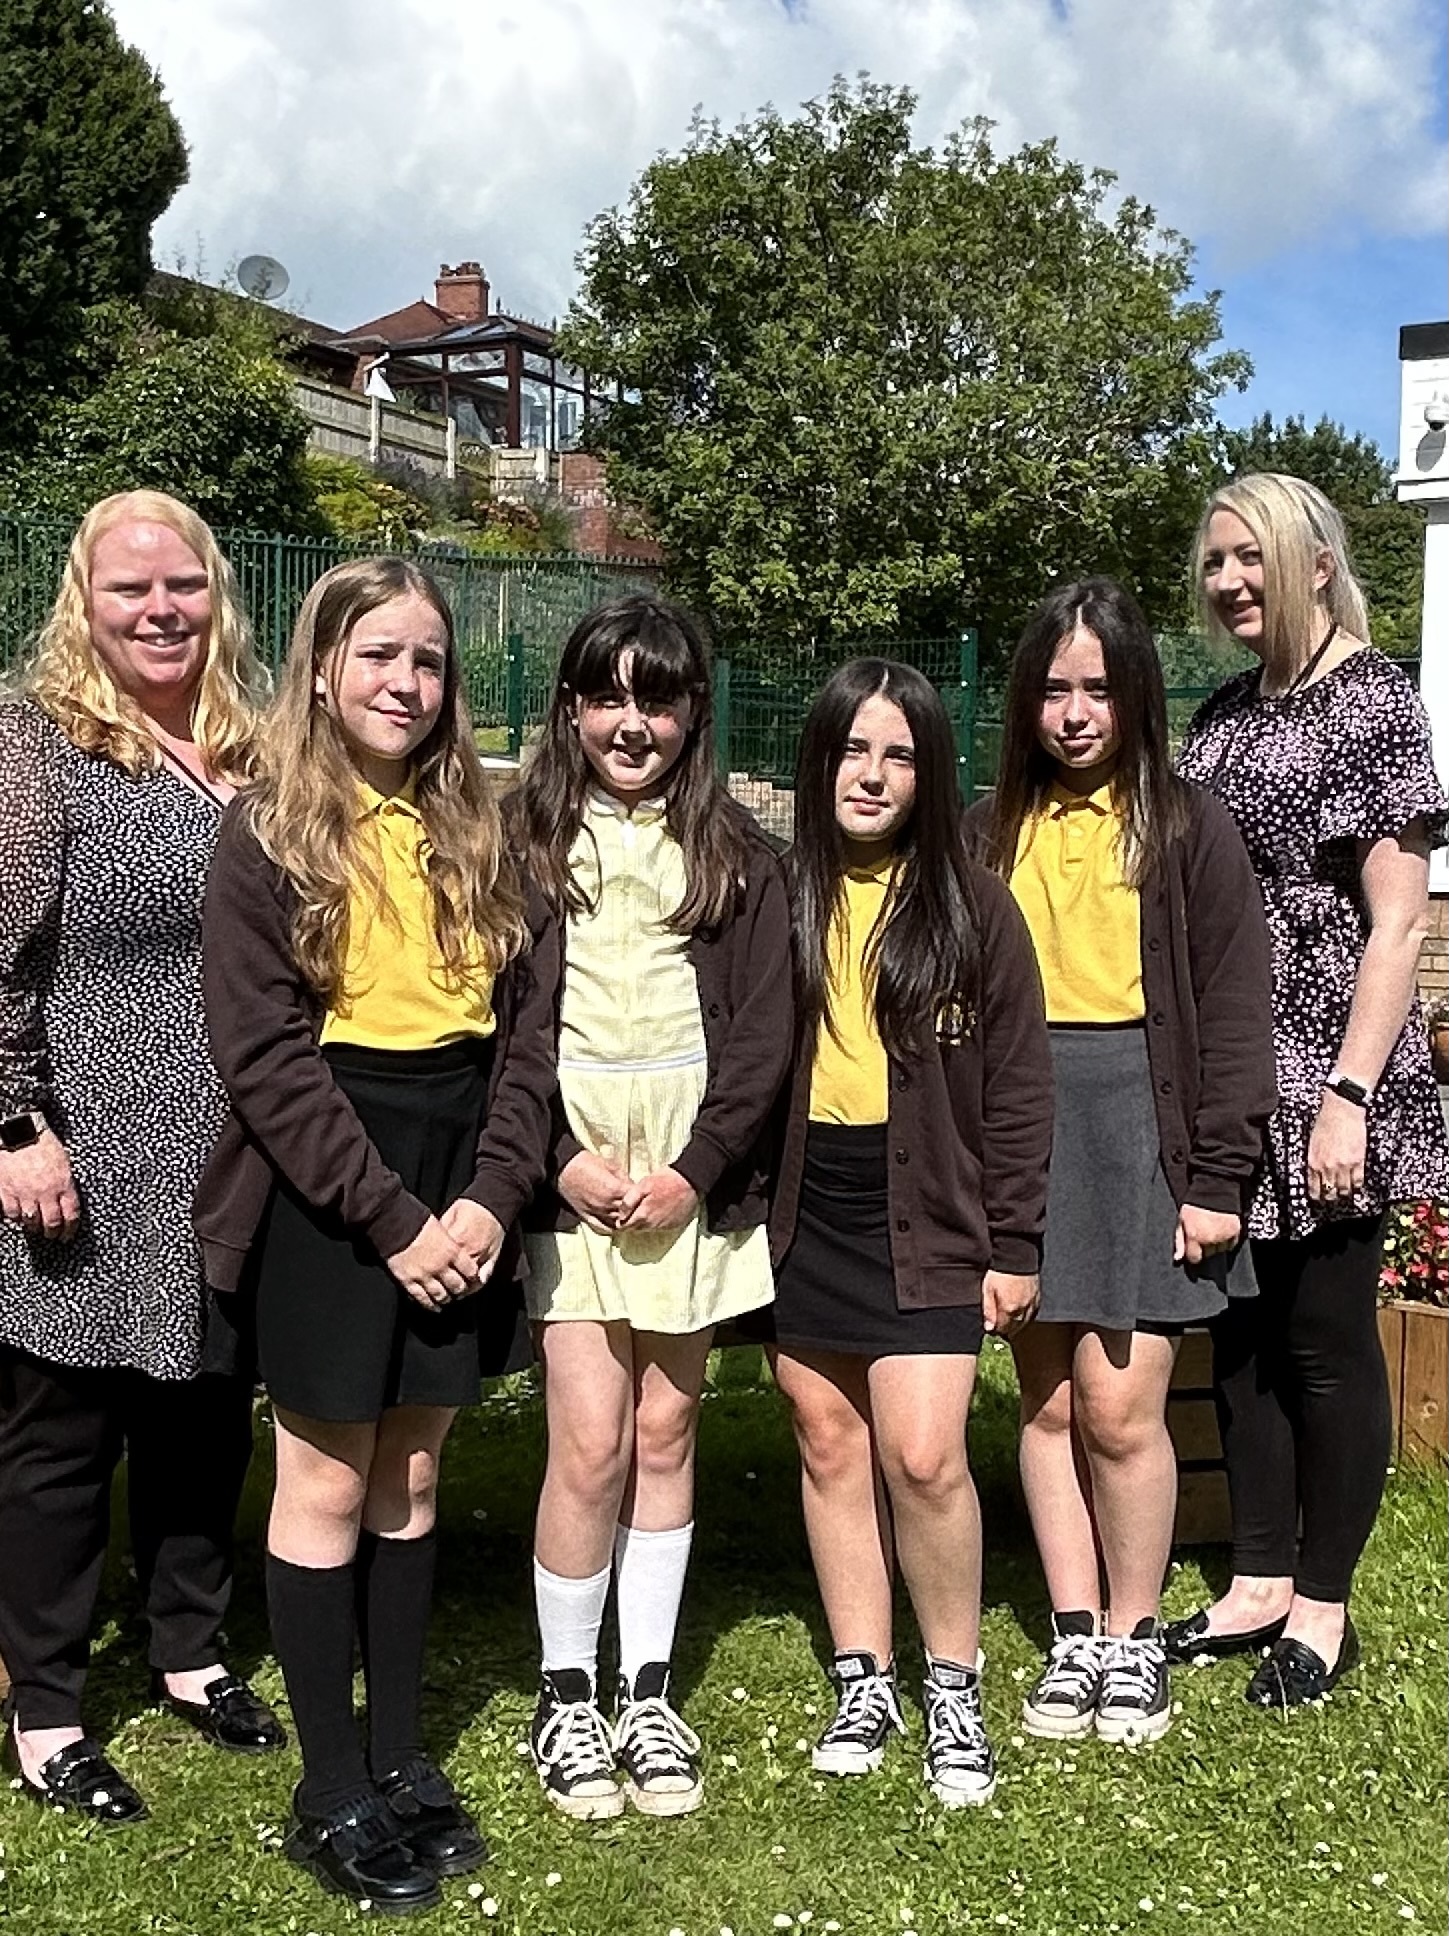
313	1622
394	1599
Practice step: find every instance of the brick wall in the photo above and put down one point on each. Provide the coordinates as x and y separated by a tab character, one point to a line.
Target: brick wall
598	529
1434	961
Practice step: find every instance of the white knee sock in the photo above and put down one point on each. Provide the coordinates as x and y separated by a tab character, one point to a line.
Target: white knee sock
570	1614
649	1569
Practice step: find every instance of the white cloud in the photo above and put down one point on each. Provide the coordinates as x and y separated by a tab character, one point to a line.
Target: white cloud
365	141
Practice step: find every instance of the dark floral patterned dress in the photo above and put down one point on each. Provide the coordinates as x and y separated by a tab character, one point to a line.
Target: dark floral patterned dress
1306	776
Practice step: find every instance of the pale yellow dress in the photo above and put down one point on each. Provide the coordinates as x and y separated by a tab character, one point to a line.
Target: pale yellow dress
632	1076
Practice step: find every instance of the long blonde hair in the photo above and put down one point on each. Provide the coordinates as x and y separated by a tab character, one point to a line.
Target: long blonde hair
1294	524
68	679
304	808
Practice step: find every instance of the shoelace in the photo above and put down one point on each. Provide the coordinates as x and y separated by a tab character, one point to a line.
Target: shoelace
955	1729
655	1735
575	1740
1074	1667
864	1706
1130	1671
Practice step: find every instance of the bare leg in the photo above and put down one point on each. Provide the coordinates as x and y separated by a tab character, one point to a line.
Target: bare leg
918	1407
1053	1468
589	1400
1120	1381
322	1477
850	1539
668	1379
402	1485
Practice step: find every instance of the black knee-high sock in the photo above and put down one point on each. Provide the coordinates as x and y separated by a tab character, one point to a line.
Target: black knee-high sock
314	1618
394	1599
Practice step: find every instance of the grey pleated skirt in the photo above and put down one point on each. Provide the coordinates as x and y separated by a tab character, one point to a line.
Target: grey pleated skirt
1111	1216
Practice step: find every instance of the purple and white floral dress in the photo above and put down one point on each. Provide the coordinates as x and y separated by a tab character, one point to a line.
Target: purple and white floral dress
1306	776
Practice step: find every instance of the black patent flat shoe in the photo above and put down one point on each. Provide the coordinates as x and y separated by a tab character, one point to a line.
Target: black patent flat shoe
231	1716
1184	1641
83	1781
436	1826
1292	1675
358	1851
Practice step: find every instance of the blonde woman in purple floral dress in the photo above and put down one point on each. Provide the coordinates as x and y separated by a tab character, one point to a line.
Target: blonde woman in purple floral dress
1322	755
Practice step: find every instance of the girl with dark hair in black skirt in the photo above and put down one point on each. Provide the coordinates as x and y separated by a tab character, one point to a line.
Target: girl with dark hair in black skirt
908	1211
380	1000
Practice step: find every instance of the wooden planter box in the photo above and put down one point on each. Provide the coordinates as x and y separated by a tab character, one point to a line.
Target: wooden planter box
1203	1514
1415	1338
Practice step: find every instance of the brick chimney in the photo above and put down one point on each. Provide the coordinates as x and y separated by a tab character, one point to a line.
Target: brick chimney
462	293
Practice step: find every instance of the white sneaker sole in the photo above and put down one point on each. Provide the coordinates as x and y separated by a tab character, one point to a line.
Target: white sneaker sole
1048	1724
846	1761
663	1802
1131	1730
950	1796
586	1808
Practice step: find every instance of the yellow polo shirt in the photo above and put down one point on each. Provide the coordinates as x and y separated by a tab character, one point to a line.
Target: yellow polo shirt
394	994
1085	920
849	1080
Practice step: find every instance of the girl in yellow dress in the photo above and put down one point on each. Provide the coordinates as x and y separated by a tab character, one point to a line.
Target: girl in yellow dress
674	1037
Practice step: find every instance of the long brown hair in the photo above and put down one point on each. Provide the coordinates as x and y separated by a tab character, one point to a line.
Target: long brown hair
925	954
670	662
1151	800
304	808
69	681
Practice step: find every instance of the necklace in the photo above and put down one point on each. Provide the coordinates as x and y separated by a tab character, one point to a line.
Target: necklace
189	777
1304	674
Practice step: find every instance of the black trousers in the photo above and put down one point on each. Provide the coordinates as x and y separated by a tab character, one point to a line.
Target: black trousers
62	1433
1303	1406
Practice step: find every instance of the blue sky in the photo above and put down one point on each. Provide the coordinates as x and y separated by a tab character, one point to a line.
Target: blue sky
1300	144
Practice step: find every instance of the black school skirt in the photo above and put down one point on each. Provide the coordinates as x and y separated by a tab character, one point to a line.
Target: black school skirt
337	1336
836	1290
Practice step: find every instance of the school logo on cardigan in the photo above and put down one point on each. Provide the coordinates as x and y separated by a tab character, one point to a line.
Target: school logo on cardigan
954	1023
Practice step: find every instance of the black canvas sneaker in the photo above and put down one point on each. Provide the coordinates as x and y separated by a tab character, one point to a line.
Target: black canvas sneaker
1063	1703
866	1714
960	1766
1135	1703
572	1748
658	1754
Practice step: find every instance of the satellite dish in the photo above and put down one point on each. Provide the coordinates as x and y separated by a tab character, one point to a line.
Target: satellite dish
262	276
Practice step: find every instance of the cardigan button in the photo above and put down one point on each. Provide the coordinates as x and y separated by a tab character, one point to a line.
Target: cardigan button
1179	1156
1158	1018
903	1223
1165	1087
714	1008
903	1156
1153	945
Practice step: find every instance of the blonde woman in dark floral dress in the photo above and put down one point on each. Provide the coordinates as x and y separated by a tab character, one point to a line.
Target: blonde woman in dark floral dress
1322	755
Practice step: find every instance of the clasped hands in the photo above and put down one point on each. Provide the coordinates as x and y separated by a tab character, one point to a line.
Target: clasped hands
452	1256
610	1201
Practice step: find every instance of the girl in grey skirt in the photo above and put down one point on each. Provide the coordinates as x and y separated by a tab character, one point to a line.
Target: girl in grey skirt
1154	955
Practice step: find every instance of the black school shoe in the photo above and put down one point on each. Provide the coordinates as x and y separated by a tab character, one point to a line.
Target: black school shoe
1184	1641
1292	1675
435	1825
360	1850
82	1780
232	1716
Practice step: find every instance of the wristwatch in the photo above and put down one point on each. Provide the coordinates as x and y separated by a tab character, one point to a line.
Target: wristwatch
20	1132
1351	1091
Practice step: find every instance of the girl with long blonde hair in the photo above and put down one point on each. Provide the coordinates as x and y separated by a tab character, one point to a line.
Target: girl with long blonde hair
381	1007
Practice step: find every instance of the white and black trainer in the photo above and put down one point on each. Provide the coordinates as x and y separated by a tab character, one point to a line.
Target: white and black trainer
572	1748
960	1765
867	1712
658	1754
1063	1702
1135	1703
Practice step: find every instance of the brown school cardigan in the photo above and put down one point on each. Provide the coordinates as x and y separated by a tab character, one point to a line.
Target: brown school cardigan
1207	988
968	1135
747	1006
288	1115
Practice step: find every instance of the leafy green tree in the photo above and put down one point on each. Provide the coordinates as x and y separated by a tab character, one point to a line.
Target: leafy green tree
1349	470
90	155
868	387
208	417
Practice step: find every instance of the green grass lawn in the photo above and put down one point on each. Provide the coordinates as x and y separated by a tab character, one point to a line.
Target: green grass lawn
1325	1822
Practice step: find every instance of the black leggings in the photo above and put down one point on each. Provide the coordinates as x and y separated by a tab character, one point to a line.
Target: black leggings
1303	1405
